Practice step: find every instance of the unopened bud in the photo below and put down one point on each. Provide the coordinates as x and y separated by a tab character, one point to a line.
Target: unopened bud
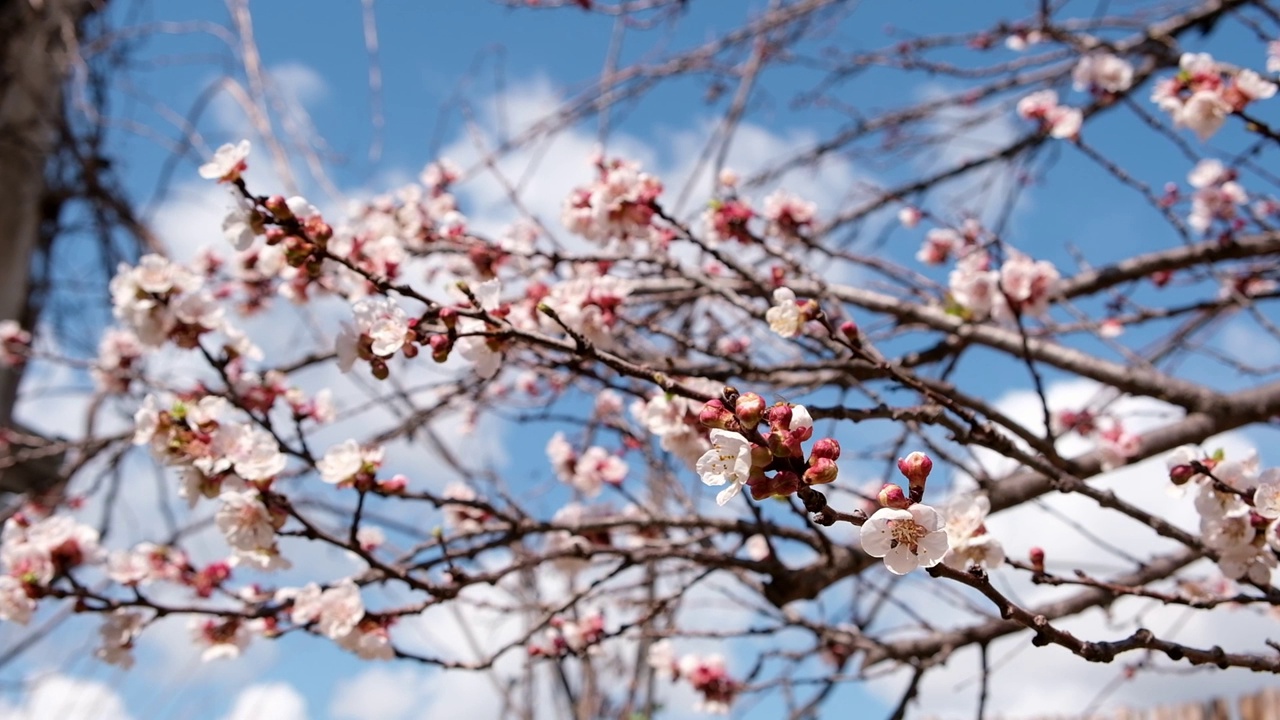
891	496
916	468
749	409
1037	559
320	231
715	415
823	470
440	347
780	416
275	235
849	329
449	316
1181	474
826	448
279	208
379	368
394	486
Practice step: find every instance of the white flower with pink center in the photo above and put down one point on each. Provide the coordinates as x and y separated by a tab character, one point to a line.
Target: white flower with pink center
117	634
384	322
1102	71
788	215
341	463
595	468
479	349
245	521
227	163
728	461
335	611
906	539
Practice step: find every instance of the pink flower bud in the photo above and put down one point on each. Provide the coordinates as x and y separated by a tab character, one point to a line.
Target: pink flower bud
749	409
849	329
277	206
780	416
1037	559
715	415
891	496
826	448
916	468
393	486
1180	474
440	347
379	368
449	316
823	470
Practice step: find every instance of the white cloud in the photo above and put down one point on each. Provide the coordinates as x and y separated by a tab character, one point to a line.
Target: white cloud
58	697
277	701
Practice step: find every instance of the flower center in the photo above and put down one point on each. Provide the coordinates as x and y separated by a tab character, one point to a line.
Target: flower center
906	532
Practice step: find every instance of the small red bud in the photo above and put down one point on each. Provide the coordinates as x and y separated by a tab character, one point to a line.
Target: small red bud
715	415
823	470
379	368
916	468
279	208
780	416
1181	474
449	316
749	409
1037	559
891	496
825	448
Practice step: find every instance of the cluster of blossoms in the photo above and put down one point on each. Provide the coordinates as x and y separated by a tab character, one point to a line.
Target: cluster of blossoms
674	421
619	206
1205	92
464	516
217	457
160	301
1019	287
34	554
1102	74
787	217
1239	507
1217	197
589	472
769	460
571	637
1058	121
909	534
338	613
1116	443
706	673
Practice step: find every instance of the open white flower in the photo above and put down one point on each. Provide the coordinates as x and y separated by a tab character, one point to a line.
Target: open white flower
906	539
227	163
785	317
341	462
967	540
728	461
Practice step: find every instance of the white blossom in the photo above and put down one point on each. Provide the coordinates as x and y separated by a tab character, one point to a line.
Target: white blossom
906	539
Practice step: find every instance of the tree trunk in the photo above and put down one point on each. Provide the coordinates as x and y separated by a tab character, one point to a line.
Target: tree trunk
34	62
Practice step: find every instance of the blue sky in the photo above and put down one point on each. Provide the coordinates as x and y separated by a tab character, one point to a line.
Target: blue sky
520	62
